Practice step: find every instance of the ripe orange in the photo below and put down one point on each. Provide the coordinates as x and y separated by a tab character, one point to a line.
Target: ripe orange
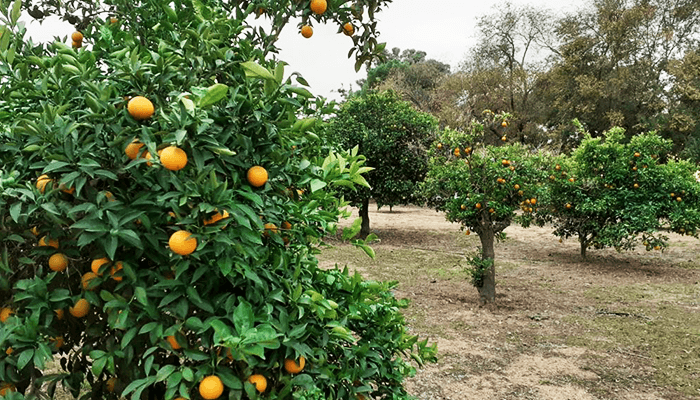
34	231
58	262
181	243
505	163
257	176
6	388
77	36
211	387
51	243
636	154
5	314
42	181
319	6
516	186
216	218
118	266
679	199
504	138
636	186
533	201
457	152
109	196
173	342
173	158
478	206
132	149
9	351
491	210
59	313
97	263
504	124
348	29
58	342
85	280
270	228
307	31
463	207
439	146
77	45
140	108
69	190
80	309
286	225
259	381
110	384
292	367
568	206
113	20
557	167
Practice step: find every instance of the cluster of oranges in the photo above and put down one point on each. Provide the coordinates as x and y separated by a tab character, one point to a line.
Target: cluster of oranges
77	39
319	7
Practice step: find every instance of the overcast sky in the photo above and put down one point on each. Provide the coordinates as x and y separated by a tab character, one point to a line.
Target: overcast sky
444	29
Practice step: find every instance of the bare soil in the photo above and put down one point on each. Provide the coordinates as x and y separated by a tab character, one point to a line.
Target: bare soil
614	326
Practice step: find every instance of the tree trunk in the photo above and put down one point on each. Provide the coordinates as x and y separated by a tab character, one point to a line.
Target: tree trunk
487	291
584	246
364	214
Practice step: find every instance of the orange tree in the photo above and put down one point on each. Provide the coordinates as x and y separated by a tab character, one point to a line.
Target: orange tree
160	213
485	189
395	139
615	194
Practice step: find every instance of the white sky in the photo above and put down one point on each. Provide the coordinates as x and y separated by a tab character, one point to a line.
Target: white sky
444	29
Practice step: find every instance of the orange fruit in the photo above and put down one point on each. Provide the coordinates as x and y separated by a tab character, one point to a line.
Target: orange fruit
58	262
504	138
504	124
439	146
42	181
478	206
110	384
118	266
147	156
348	29
77	45
140	108
181	243
173	342
216	218
59	314
270	228
97	263
211	387
5	314
58	342
109	196
491	210
9	351
505	163
77	36
80	309
258	381
307	31
85	280
568	205
516	186
257	176
319	6
69	190
6	388
34	231
456	152
173	158
533	201
51	243
636	154
286	225
467	232
113	20
132	149
293	367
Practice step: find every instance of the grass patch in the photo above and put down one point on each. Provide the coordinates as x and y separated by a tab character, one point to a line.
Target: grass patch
645	294
408	266
688	265
668	340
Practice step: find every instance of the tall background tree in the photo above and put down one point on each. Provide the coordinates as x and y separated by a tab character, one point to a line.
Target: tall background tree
395	139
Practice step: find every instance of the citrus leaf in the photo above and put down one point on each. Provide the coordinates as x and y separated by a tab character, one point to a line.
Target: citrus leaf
214	94
255	70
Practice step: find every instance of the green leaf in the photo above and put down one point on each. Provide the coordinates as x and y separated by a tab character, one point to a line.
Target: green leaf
317	184
98	365
16	11
141	296
255	70
15	211
164	372
214	94
352	231
24	358
243	317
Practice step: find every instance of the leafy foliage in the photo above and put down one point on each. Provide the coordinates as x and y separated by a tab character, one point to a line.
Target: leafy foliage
251	294
613	194
482	187
393	136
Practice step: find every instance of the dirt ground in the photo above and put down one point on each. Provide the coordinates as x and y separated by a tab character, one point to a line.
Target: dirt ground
615	326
